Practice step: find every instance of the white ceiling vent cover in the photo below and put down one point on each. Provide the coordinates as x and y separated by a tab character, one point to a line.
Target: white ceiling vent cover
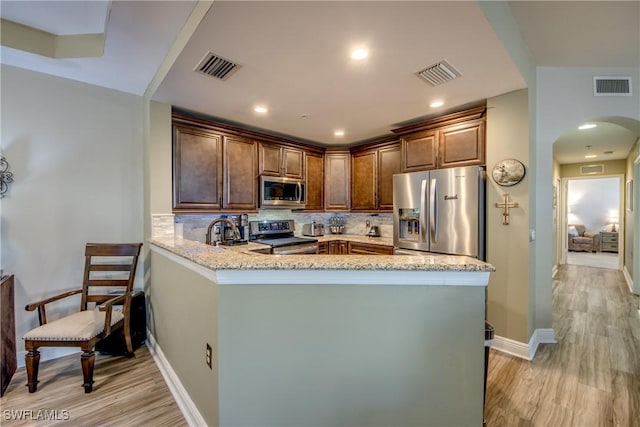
439	73
216	66
592	169
612	86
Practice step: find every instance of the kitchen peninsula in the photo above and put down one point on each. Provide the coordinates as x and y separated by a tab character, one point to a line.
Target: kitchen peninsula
321	339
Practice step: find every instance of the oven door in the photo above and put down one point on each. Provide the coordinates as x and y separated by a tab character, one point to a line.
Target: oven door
296	249
282	192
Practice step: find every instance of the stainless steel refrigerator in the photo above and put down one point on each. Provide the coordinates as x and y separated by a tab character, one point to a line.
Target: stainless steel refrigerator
440	211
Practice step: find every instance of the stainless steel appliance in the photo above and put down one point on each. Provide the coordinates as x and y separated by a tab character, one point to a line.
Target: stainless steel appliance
440	211
278	192
279	235
313	229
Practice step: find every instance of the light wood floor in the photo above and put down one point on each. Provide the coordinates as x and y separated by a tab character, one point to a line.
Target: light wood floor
592	376
126	392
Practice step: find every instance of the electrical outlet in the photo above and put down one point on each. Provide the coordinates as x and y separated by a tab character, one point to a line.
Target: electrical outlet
208	356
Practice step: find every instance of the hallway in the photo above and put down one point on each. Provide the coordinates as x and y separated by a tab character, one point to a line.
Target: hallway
591	377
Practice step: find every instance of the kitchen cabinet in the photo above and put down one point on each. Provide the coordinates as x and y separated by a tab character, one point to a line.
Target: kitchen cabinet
462	145
212	170
323	248
453	140
419	151
357	248
338	247
240	178
372	173
314	171
276	160
336	181
197	168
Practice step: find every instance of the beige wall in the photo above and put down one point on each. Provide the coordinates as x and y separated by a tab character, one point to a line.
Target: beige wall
611	167
508	245
76	152
183	318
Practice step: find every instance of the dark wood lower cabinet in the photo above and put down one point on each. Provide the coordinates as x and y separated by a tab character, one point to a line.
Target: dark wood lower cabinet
8	356
356	248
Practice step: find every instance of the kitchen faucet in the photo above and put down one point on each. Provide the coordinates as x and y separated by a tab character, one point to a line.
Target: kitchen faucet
234	229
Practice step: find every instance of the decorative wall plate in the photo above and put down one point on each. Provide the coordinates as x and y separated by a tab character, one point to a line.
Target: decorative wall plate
508	172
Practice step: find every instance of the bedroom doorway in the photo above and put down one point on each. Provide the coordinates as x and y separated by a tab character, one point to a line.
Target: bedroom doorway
593	223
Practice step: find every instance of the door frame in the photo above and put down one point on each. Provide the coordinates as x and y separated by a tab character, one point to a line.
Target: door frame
564	229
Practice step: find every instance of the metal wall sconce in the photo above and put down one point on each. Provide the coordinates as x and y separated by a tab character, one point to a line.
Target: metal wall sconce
5	176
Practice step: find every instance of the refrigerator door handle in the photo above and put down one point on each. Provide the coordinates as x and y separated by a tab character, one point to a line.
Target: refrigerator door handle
433	214
423	211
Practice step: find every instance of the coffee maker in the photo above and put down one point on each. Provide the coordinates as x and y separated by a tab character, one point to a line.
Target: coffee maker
241	221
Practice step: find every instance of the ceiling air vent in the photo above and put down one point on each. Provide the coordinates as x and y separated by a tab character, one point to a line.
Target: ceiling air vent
216	66
592	170
439	73
612	86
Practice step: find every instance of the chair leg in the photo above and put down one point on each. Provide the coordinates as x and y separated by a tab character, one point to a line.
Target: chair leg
32	362
88	358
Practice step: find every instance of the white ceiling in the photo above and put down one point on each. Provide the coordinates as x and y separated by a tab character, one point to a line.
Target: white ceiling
575	144
294	57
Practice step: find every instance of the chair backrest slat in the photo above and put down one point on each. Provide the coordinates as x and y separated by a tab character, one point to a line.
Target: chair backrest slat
117	272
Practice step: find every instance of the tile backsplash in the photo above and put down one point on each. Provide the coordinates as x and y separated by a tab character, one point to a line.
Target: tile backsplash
194	226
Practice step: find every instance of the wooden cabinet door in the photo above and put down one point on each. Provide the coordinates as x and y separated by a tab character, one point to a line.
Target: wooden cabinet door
276	160
270	160
388	165
356	248
240	174
197	168
462	145
364	181
314	167
292	162
336	179
338	247
419	151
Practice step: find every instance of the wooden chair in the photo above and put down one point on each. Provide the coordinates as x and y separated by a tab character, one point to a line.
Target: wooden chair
102	276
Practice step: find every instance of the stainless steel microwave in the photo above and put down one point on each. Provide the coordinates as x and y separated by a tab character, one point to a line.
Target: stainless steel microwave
278	192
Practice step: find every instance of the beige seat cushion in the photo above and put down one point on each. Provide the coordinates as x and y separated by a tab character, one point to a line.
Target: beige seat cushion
80	326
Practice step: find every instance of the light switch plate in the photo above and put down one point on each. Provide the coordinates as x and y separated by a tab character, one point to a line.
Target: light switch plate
532	234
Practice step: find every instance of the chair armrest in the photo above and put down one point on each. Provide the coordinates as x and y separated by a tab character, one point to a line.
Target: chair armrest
592	235
107	307
40	305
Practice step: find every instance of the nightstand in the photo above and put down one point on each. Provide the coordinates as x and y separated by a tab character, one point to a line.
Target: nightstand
608	241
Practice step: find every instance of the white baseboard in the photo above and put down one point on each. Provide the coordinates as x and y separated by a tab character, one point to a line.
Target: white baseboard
628	278
48	353
554	271
186	405
522	350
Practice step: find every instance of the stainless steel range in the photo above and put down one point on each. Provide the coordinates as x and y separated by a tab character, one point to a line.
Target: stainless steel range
279	235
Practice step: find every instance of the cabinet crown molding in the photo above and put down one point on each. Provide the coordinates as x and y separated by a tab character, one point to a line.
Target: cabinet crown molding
446	120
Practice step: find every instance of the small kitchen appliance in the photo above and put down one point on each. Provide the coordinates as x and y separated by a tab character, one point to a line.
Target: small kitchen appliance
280	192
313	229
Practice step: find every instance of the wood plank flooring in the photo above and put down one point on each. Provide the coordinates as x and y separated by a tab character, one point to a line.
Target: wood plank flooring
591	377
126	392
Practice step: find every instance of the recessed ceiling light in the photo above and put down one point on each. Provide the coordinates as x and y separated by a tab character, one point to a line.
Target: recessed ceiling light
587	126
260	109
590	156
359	54
436	104
338	132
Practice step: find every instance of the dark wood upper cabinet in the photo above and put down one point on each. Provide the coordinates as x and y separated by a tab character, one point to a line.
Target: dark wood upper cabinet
240	174
372	173
388	165
363	180
314	167
284	161
453	140
336	181
419	151
462	145
197	168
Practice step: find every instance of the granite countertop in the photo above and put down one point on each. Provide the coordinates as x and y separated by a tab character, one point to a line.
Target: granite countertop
243	258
